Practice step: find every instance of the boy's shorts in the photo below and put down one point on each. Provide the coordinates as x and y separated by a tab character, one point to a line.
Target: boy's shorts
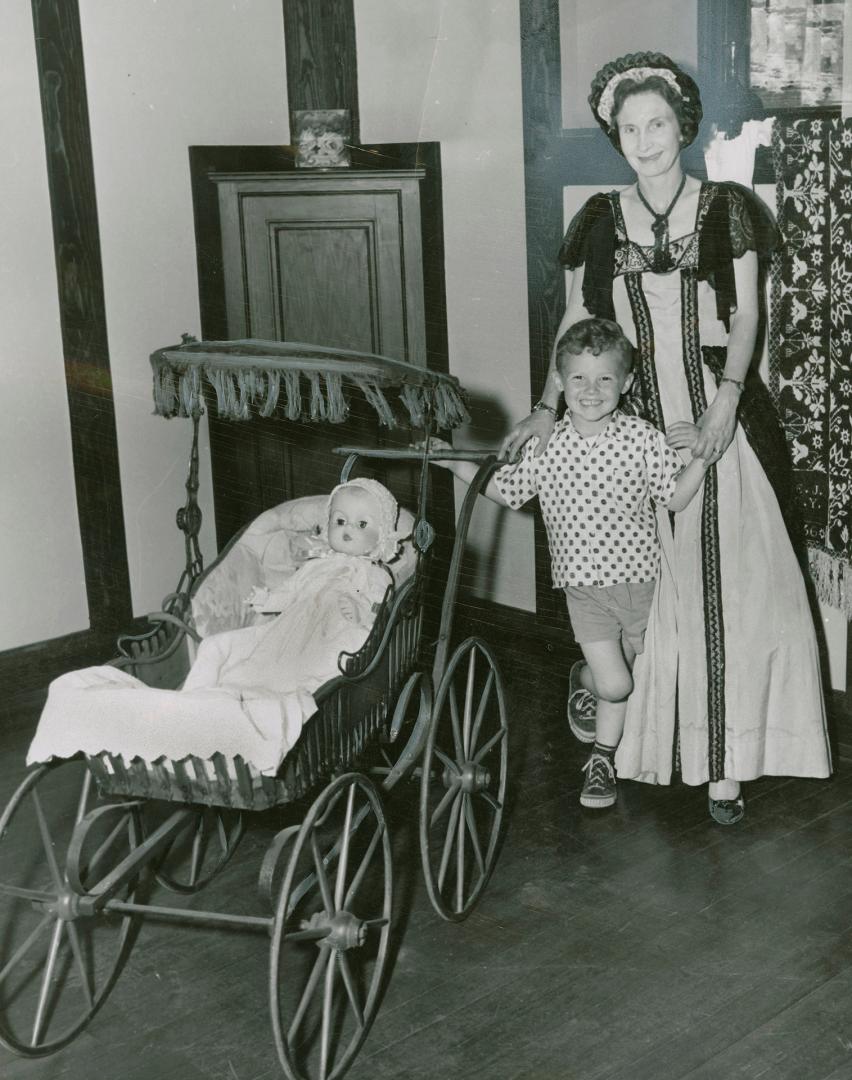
610	612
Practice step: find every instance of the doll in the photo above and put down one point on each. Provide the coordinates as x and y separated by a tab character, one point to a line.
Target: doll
326	608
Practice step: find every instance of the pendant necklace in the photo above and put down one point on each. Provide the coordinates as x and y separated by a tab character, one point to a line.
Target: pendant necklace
662	259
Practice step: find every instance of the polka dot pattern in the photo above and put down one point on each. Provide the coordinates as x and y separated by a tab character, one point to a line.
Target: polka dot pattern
596	499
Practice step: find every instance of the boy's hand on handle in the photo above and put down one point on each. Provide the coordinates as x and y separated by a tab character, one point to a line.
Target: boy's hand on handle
436	445
540	424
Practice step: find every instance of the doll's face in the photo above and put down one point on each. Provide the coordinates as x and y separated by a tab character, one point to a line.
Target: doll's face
353	522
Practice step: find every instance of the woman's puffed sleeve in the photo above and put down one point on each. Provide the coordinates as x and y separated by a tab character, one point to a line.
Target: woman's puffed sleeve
590	242
737	221
585	224
751	224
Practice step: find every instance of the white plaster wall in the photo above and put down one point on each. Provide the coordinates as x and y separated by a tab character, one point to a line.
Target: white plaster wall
163	76
42	591
593	33
449	71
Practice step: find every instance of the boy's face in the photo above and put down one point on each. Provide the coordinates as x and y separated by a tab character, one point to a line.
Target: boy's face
593	386
353	522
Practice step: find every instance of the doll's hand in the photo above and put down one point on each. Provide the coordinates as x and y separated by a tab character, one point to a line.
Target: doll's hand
349	608
682	435
540	423
257	597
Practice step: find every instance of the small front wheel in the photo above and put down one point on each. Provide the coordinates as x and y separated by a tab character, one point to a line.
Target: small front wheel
463	781
330	932
59	956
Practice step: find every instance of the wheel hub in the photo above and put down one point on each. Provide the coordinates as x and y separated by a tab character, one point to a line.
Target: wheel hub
345	931
470	777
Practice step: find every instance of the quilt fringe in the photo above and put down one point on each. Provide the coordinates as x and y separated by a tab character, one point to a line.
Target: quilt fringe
832	577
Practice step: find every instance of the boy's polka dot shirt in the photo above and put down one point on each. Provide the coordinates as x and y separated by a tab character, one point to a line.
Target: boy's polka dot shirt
595	496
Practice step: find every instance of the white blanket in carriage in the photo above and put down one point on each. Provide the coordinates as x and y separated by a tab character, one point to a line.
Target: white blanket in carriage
249	691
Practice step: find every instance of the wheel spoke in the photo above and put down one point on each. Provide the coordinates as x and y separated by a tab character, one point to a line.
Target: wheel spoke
322	877
323	957
468	701
492	742
441	808
448	843
47	841
460	858
492	802
80	960
480	711
456	724
362	868
46	980
346	840
474	837
327	1005
197	849
25	946
447	761
105	846
349	983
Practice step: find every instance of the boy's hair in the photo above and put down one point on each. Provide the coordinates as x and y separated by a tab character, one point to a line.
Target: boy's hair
596	336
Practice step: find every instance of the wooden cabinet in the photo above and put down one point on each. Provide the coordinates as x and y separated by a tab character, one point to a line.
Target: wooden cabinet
331	258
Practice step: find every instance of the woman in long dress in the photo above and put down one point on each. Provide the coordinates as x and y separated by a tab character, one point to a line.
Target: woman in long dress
728	688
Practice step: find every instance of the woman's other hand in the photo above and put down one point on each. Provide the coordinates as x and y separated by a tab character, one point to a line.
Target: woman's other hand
716	427
539	423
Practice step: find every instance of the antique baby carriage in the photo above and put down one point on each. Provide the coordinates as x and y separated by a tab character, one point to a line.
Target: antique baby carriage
89	844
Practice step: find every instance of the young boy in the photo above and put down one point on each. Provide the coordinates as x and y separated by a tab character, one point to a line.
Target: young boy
595	482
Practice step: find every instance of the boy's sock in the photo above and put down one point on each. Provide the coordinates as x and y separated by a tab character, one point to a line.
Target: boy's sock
599	787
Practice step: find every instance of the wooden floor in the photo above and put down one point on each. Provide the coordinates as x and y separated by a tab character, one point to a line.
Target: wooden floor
640	943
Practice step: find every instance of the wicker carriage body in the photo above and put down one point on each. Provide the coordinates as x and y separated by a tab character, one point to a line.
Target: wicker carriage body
353	709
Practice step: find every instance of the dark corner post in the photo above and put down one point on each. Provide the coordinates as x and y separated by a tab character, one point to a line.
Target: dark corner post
79	275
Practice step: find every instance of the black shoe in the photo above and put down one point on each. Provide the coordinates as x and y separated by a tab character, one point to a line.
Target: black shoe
599	788
727	811
582	706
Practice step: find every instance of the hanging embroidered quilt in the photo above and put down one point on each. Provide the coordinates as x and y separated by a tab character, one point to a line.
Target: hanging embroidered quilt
810	350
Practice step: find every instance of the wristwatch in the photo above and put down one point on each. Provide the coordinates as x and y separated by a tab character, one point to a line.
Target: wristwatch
737	382
542	405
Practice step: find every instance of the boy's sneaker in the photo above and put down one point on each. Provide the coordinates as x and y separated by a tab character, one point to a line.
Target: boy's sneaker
599	788
582	706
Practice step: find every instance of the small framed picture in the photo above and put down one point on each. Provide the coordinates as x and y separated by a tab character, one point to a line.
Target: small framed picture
322	138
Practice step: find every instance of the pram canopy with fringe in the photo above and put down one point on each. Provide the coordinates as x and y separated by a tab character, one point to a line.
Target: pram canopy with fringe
309	382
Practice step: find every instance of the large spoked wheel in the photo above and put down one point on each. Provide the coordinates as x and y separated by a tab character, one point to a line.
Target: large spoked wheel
463	782
330	932
58	958
201	851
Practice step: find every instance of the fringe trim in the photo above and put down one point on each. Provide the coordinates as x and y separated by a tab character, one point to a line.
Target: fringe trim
832	576
379	402
294	395
241	390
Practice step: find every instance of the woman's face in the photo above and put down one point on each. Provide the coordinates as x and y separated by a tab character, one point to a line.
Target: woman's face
649	133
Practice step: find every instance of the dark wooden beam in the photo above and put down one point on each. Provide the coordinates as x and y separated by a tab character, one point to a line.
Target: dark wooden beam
322	71
73	208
